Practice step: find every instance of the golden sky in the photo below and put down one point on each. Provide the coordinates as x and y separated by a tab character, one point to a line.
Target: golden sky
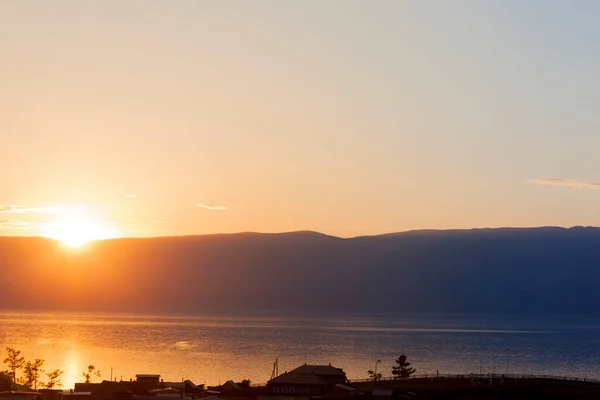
146	118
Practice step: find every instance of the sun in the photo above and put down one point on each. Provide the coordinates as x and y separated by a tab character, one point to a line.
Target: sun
74	228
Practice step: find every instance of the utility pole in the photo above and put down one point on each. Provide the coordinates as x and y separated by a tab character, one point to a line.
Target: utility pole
376	362
275	372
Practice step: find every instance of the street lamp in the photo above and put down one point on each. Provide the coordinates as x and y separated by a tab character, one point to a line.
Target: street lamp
376	363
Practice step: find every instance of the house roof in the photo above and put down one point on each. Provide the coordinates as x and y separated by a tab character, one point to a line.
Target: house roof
291	378
187	384
318	370
104	387
15	386
230	385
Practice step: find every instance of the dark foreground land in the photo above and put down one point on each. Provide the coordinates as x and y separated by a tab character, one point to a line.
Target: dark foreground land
484	387
468	387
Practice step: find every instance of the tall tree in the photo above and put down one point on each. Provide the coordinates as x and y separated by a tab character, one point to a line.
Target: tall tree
374	376
32	372
402	369
91	373
54	379
14	361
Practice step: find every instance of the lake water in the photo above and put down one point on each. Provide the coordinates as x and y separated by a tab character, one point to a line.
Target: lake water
215	349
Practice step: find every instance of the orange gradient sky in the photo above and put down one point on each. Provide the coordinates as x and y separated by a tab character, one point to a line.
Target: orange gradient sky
145	118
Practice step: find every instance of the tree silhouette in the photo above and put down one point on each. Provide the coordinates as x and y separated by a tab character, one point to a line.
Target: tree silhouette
53	379
402	369
14	361
32	372
91	373
373	376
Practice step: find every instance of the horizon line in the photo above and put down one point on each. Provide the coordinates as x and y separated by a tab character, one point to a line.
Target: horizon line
423	230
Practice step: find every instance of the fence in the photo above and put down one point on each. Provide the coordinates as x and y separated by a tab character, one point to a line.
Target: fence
482	376
468	376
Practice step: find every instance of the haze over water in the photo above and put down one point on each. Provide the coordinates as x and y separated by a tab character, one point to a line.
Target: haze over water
216	349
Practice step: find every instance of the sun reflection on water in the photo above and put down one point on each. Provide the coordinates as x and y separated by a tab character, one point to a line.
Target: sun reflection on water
71	368
213	349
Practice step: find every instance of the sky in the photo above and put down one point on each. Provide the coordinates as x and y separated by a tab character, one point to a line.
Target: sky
154	118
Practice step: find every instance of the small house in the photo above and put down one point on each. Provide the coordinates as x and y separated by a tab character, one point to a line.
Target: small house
307	380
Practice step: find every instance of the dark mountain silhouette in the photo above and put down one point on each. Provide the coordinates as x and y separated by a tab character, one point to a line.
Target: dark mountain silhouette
537	270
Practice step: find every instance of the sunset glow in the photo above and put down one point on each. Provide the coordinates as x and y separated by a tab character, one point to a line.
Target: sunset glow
202	119
75	228
263	199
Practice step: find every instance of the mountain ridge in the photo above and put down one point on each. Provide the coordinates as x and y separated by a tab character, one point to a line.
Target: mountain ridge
498	270
317	233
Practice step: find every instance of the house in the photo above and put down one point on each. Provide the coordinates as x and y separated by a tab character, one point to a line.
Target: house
99	391
15	394
153	385
230	387
307	380
185	388
86	387
142	384
145	382
290	384
50	394
76	396
7	386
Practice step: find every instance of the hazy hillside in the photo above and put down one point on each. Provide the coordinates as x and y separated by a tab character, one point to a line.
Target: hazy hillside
496	270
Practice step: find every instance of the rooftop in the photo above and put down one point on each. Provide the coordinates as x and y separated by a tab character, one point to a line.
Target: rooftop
318	370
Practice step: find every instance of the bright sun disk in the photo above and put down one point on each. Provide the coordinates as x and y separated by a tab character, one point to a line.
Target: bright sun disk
75	229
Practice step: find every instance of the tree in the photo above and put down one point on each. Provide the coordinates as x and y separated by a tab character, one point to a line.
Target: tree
91	373
14	361
32	372
402	369
374	376
53	379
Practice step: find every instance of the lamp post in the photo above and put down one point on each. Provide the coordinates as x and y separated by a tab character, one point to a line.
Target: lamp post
376	363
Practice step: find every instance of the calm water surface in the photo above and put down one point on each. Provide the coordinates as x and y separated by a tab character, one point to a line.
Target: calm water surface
215	349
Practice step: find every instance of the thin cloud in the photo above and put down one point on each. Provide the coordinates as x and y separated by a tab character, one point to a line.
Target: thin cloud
15	225
570	183
131	195
16	209
214	207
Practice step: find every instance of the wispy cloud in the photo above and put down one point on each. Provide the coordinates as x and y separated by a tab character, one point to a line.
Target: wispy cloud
15	225
131	195
214	207
566	183
16	209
